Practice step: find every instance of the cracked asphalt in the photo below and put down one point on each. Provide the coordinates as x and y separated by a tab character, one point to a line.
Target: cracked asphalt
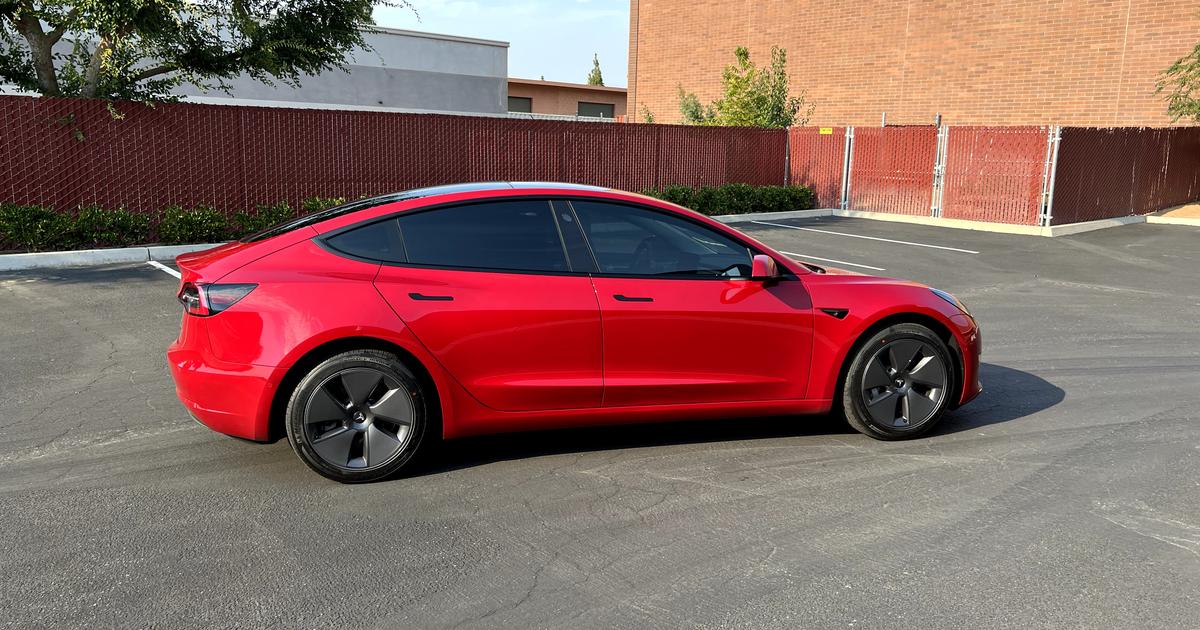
1067	496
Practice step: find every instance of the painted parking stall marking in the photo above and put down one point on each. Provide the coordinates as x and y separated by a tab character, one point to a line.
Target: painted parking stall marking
830	260
164	268
870	238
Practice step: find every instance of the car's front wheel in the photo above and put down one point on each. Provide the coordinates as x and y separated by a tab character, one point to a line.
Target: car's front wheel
358	416
898	384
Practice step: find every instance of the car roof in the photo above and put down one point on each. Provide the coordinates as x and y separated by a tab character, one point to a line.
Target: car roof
408	195
450	189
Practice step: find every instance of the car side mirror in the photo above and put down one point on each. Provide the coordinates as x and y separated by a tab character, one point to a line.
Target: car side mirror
763	267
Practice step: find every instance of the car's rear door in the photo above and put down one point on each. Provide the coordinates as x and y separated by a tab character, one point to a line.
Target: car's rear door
682	321
489	289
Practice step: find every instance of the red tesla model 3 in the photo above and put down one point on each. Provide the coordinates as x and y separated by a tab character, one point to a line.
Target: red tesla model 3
369	330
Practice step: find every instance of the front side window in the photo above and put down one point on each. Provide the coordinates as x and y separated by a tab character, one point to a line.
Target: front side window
499	235
628	240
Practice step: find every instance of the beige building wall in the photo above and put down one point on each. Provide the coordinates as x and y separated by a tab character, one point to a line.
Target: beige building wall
552	97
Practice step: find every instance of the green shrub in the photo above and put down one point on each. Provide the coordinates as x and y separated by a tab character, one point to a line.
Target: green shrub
201	224
800	197
679	195
262	218
35	228
317	204
94	226
704	199
737	198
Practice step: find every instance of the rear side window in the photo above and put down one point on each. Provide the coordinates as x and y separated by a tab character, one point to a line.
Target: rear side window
378	241
518	235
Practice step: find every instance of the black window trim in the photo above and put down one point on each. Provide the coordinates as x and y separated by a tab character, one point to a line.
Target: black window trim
322	240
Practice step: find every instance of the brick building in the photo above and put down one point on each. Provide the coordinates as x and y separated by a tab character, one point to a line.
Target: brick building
1000	62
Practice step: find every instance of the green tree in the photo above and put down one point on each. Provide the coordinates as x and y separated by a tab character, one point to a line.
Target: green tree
595	77
692	111
750	97
1181	84
647	115
141	49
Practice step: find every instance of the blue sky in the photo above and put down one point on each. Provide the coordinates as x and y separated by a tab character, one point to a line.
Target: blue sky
555	38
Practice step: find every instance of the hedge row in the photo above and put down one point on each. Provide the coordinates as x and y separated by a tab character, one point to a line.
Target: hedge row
38	228
737	198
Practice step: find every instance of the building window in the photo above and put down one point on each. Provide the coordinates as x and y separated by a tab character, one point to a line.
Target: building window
596	110
523	104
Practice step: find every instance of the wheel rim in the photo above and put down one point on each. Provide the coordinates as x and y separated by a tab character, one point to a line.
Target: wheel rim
359	419
904	384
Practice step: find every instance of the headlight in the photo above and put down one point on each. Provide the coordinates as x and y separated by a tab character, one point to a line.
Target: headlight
951	299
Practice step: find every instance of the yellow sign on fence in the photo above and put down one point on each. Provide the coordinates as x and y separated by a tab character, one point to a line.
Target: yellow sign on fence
826	131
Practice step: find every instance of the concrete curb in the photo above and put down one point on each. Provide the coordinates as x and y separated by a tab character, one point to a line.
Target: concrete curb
167	253
959	224
1154	218
1091	226
91	257
766	216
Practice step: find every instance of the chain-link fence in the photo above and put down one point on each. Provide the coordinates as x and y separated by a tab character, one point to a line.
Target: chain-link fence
994	174
816	158
67	152
1116	172
891	169
1035	176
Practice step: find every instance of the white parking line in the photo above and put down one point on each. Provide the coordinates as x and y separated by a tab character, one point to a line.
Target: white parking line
839	262
162	267
870	238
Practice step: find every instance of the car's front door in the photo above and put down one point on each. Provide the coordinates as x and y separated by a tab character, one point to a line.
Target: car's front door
682	321
489	290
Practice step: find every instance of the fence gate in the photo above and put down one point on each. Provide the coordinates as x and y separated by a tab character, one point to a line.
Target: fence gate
891	169
995	174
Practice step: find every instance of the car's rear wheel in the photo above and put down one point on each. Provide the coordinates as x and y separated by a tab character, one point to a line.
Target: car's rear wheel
358	416
898	385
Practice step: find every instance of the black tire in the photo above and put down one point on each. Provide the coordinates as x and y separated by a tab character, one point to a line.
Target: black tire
335	414
916	394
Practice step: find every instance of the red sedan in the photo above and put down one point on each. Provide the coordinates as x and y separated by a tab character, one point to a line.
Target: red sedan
369	330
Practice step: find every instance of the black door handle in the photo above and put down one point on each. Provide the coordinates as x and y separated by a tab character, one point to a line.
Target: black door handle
627	298
431	298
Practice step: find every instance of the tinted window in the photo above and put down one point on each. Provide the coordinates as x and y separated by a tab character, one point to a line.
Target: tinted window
509	235
522	104
636	241
599	110
378	241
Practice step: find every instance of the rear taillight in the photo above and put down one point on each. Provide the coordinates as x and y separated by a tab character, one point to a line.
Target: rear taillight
204	300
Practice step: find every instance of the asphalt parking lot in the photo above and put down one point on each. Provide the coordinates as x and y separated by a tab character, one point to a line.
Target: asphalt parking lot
1068	495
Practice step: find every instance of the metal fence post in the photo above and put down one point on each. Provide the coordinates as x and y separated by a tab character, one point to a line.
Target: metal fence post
787	156
939	171
847	166
1053	140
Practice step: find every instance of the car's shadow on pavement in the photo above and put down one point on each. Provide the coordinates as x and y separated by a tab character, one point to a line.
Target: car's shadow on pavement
1009	394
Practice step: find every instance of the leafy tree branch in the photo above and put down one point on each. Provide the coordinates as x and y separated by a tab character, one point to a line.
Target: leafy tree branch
751	96
142	49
